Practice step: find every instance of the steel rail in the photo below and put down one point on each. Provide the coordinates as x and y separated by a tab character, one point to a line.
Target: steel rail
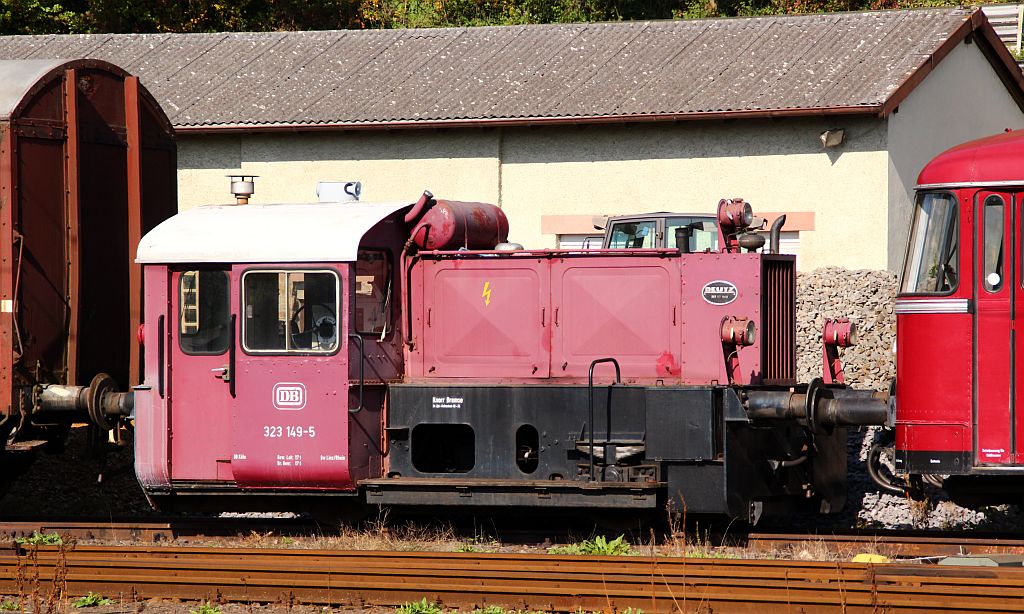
544	582
890	543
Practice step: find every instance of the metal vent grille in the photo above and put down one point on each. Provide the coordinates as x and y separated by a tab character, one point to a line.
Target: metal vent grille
778	325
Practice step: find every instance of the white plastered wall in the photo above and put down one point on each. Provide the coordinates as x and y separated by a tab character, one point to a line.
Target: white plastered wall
961	99
778	165
393	165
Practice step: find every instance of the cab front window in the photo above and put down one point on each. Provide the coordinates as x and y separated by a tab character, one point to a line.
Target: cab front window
933	256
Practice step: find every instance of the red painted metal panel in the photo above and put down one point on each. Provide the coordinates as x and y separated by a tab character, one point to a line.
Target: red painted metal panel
485	318
620	307
152	442
992	342
935	379
200	405
703	358
285	445
1018	326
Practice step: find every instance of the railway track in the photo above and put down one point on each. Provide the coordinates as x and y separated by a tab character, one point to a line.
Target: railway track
539	582
894	544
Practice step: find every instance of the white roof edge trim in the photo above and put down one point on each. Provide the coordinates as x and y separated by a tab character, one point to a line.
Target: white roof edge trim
237	234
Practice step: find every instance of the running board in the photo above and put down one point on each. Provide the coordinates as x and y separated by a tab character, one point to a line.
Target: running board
455	492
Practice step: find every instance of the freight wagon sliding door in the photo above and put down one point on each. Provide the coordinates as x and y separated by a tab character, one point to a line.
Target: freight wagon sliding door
200	325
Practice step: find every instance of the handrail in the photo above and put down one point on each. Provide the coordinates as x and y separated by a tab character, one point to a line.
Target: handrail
362	380
231	356
590	393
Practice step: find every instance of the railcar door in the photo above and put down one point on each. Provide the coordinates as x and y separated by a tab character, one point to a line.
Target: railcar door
995	296
200	327
290	426
1017	328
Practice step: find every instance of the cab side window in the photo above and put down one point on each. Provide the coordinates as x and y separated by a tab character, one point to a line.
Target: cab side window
373	294
204	321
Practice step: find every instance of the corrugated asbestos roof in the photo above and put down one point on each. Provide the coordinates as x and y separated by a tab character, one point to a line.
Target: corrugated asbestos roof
846	62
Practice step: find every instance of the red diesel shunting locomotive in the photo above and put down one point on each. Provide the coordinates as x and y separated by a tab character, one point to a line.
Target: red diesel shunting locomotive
303	356
959	370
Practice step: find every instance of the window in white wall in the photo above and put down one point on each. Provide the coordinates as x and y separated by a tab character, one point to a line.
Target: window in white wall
580	241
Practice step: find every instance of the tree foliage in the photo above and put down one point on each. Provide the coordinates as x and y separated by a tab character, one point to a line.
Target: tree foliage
87	16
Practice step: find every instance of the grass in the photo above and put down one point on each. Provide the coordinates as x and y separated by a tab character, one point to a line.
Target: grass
9	605
206	608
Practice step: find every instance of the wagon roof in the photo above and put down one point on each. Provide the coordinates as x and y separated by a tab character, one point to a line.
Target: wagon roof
314	232
859	63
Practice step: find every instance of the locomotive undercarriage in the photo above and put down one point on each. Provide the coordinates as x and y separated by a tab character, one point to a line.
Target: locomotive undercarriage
692	448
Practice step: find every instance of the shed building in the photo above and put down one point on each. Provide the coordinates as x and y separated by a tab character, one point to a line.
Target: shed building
827	118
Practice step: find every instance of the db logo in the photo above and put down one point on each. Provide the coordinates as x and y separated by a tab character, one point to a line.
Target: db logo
289	395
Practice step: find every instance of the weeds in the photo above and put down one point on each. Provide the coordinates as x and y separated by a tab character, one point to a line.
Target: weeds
91	600
206	608
8	605
38	539
599	546
419	607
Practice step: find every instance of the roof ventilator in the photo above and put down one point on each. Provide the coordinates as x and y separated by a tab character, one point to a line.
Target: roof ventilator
243	186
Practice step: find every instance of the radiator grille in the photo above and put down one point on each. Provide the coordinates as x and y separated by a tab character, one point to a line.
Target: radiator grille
778	319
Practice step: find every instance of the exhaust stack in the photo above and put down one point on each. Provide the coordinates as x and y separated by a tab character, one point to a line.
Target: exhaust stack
243	186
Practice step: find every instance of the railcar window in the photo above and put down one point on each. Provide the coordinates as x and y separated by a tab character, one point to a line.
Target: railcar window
204	312
703	233
290	311
373	292
933	257
633	235
993	256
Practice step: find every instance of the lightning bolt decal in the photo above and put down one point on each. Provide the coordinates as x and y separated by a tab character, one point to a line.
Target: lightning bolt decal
487	293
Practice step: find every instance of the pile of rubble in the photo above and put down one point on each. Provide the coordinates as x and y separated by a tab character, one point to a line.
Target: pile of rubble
867	298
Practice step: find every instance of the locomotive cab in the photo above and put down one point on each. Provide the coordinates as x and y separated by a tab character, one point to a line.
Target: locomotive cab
265	350
960	360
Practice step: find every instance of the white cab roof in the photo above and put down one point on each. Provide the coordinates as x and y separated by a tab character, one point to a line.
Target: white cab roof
318	232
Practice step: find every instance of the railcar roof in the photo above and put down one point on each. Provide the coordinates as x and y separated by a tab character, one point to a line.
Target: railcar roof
993	160
313	232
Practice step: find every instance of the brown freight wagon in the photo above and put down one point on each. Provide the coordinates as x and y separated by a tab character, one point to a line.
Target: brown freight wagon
87	166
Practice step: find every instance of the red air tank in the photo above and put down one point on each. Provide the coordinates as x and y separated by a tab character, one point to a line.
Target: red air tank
451	224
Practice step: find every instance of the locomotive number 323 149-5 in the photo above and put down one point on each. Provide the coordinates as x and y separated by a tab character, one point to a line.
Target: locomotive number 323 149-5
296	432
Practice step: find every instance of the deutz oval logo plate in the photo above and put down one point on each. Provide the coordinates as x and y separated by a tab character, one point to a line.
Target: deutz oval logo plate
719	292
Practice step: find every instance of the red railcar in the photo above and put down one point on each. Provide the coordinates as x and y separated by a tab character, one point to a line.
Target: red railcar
87	166
960	358
299	356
